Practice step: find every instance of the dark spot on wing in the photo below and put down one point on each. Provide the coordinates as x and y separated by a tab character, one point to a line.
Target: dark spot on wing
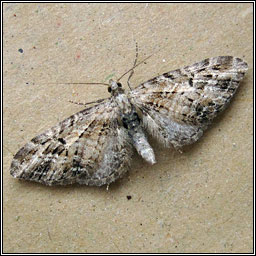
41	139
58	150
76	167
199	109
61	140
205	63
216	68
168	75
91	126
190	81
47	150
40	170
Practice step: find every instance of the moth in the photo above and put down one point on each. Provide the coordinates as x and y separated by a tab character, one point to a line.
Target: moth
95	146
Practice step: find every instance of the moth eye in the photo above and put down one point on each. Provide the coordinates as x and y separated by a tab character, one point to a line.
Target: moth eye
119	84
109	89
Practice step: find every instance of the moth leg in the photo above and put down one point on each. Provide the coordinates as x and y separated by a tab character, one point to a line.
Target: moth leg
87	103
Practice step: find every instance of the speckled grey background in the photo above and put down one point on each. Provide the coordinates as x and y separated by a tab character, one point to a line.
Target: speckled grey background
198	201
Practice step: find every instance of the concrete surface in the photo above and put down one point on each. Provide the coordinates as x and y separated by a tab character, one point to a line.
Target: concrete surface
198	201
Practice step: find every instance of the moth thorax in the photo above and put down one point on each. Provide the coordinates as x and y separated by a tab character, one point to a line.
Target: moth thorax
123	103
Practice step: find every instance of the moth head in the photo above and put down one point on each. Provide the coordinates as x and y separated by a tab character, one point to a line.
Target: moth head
115	87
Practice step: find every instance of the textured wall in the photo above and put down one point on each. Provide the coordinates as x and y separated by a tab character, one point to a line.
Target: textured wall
198	201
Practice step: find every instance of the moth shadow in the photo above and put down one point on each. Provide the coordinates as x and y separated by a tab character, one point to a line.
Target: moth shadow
56	189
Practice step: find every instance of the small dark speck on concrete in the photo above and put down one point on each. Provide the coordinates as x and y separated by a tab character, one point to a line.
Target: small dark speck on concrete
20	50
129	197
27	83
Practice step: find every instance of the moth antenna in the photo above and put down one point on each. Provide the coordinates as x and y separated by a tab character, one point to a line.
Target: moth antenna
134	67
81	83
135	62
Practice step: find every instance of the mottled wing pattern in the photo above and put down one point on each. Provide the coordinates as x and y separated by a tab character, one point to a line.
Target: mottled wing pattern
89	147
177	106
